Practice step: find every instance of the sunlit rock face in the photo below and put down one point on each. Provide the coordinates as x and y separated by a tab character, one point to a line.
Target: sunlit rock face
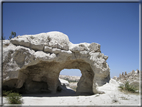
132	77
33	63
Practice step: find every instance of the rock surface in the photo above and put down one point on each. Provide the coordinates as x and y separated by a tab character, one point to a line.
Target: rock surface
33	63
64	82
132	77
72	81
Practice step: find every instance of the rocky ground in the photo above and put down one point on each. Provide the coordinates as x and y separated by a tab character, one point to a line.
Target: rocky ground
71	81
132	77
113	96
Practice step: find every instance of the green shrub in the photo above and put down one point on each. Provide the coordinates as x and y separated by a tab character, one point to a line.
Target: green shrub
127	87
14	98
5	93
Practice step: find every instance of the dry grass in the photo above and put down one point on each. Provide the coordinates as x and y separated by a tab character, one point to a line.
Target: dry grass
127	87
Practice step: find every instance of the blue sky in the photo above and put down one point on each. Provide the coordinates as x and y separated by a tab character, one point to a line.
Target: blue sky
115	26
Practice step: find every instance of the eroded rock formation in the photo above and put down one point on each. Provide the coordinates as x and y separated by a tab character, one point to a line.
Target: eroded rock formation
33	63
132	77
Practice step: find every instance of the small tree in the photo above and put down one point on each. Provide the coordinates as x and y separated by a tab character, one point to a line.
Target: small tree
13	34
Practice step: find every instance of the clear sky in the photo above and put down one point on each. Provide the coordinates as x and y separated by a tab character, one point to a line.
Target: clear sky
115	26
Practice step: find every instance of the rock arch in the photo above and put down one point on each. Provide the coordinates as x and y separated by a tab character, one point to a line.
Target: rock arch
37	60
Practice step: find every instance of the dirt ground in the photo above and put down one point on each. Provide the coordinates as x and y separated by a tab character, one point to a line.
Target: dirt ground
68	97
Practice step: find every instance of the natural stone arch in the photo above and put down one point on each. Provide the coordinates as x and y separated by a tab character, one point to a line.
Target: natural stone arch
46	72
86	81
38	59
69	79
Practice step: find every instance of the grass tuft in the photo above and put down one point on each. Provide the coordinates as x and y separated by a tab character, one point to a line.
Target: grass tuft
128	87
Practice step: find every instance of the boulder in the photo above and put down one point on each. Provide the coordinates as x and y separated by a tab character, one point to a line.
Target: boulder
64	82
115	77
33	63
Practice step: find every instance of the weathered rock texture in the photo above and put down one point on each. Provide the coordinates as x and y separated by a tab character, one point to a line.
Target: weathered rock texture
33	63
132	77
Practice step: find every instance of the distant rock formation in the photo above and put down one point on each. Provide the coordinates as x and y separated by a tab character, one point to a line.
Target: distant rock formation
70	78
73	80
133	77
33	63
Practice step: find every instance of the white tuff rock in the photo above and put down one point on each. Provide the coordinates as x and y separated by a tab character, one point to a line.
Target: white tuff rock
35	61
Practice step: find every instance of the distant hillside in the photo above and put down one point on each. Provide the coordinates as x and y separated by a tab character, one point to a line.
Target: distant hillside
70	78
132	77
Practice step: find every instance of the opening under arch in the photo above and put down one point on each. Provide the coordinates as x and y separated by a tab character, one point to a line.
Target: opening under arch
71	72
71	77
44	77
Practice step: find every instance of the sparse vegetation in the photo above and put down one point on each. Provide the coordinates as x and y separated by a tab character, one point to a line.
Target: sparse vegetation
13	34
14	98
127	87
5	93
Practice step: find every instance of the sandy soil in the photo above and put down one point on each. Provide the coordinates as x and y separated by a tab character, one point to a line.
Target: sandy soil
68	97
